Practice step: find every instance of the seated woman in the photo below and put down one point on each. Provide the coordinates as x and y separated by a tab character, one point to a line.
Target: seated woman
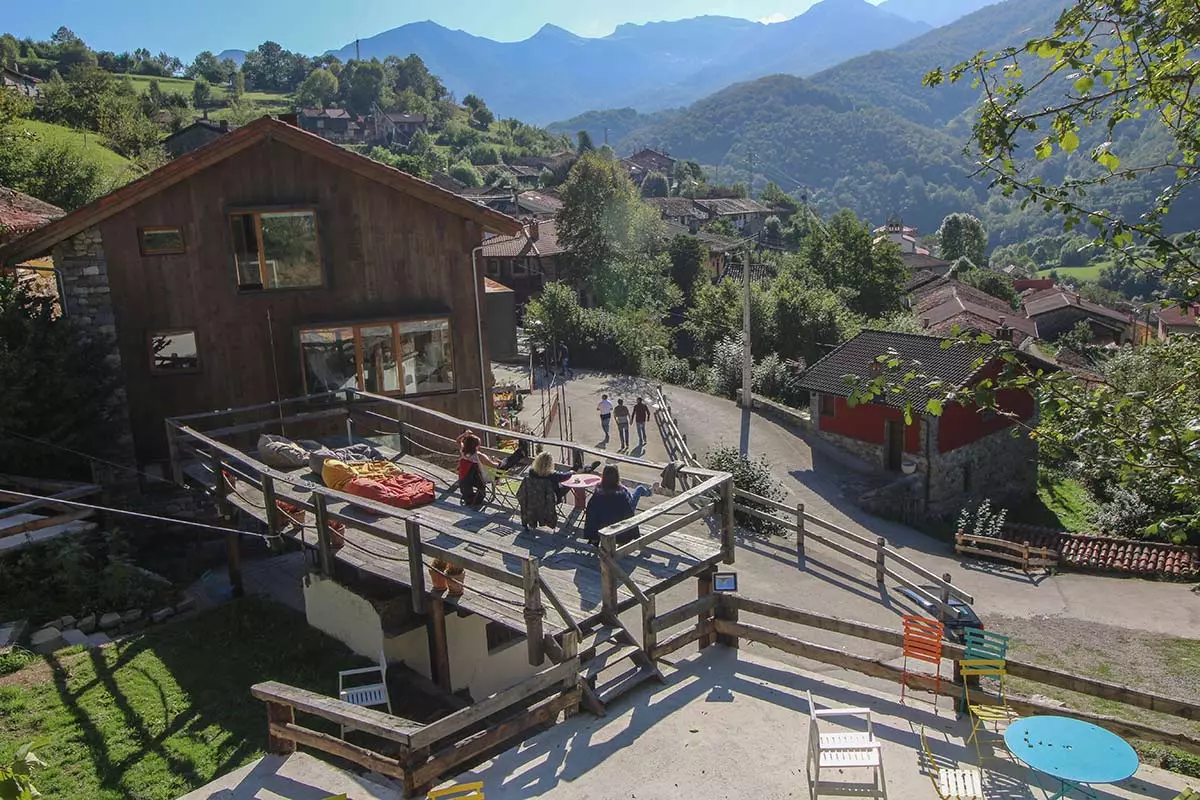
470	470
516	458
540	493
611	503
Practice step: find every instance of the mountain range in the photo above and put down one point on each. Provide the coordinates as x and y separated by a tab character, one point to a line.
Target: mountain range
555	74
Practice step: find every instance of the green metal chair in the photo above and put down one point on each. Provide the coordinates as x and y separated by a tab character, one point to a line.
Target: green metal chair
1189	794
981	645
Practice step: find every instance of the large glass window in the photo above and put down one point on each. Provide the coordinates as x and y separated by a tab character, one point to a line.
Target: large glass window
173	352
330	359
410	357
276	249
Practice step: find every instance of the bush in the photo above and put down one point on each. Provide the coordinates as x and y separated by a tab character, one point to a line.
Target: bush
749	476
773	378
1125	516
483	154
466	174
596	339
668	369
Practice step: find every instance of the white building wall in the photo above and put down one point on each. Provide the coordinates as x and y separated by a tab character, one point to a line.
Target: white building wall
342	614
473	668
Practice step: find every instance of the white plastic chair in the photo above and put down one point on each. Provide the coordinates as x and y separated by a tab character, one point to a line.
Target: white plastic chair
365	695
842	750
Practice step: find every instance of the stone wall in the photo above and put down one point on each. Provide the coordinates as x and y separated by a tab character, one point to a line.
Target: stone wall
83	268
873	454
1002	467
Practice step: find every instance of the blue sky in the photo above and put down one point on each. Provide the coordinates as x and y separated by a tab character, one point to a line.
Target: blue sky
313	26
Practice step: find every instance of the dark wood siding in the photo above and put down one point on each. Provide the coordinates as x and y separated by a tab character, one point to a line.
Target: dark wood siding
386	255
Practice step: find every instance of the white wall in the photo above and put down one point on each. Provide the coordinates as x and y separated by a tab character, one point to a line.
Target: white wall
472	667
342	614
412	648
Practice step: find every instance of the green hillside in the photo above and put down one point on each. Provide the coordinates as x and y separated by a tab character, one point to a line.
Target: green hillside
265	102
115	167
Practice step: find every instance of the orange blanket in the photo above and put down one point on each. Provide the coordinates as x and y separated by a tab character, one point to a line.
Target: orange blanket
336	474
402	491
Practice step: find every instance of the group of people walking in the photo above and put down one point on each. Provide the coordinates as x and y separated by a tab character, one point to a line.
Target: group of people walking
640	414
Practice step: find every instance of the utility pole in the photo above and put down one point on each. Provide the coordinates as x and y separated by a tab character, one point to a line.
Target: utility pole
357	53
747	364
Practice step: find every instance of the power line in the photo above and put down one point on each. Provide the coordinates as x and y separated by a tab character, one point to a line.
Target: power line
81	454
140	515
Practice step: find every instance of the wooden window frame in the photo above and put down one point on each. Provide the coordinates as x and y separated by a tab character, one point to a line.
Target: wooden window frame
394	323
826	405
257	212
173	332
170	251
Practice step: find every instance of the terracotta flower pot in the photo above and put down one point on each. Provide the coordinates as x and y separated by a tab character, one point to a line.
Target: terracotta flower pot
437	578
456	579
337	535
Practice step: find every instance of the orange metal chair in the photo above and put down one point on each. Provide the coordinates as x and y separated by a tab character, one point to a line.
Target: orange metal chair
923	642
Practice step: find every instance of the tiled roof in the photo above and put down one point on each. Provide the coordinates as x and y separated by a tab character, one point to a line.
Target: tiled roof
939	293
1108	554
519	245
1043	302
732	205
676	206
20	213
1176	317
491	287
326	113
839	371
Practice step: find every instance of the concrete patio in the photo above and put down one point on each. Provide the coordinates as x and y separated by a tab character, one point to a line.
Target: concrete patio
728	724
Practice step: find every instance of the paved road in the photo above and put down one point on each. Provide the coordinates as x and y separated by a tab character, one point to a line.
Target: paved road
823	479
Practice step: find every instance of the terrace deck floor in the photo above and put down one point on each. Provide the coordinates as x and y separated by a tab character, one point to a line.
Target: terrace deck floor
568	564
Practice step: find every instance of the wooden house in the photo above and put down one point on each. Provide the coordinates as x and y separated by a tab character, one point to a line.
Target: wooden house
964	455
334	124
23	84
1179	319
525	261
193	136
748	217
1058	310
271	263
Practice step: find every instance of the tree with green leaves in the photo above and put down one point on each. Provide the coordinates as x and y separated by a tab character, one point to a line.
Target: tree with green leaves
962	235
594	224
844	253
584	140
318	90
237	85
655	185
997	284
778	200
201	92
688	257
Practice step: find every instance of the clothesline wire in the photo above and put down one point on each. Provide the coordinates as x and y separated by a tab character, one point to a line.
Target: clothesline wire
81	454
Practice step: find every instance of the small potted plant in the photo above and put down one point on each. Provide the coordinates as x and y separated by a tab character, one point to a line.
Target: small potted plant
337	535
455	577
437	575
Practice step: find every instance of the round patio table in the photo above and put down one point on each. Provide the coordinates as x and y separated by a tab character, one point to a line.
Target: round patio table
580	483
1072	751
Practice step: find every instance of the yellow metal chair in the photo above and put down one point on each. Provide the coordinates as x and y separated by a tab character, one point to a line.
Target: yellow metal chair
985	707
502	487
951	784
465	791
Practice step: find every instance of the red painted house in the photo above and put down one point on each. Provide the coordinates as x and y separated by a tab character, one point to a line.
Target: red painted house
962	456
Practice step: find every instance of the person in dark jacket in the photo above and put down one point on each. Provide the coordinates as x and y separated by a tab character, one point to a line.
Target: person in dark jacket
540	493
611	503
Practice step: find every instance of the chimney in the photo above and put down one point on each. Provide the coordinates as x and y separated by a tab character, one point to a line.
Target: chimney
533	230
224	125
1003	332
924	322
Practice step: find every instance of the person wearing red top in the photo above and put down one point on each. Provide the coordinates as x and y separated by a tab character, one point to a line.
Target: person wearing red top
470	470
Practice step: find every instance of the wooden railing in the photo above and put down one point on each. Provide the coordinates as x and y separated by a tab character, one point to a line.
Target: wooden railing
676	442
729	628
1019	553
18	490
419	755
871	552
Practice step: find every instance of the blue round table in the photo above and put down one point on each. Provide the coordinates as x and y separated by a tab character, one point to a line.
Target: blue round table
1074	752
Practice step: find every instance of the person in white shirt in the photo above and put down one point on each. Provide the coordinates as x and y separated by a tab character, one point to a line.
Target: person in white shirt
605	407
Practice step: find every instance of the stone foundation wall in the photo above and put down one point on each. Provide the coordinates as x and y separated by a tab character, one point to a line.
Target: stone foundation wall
86	301
873	454
1001	467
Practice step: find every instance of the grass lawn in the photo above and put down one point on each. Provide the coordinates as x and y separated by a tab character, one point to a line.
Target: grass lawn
156	716
115	165
1062	503
141	83
1091	272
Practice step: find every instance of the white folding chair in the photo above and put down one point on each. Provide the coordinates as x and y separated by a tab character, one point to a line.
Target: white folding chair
365	695
843	749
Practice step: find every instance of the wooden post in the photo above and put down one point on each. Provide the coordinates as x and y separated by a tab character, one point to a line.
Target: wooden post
945	598
324	550
220	487
704	588
570	649
270	509
649	635
233	552
880	575
233	540
173	450
1025	557
727	609
608	580
800	535
439	653
280	714
728	543
416	565
535	613
401	445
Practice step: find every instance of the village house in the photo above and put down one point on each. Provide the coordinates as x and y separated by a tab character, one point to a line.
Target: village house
1058	310
680	210
747	216
948	305
334	124
25	85
524	261
965	455
541	205
393	127
271	263
646	161
21	214
198	134
1176	320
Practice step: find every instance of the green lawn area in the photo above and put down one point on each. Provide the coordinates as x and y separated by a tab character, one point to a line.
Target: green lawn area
267	100
1091	272
116	166
1062	503
156	716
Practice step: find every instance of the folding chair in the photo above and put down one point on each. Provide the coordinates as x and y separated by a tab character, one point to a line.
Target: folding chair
923	642
985	707
840	751
980	644
502	487
951	784
464	791
365	695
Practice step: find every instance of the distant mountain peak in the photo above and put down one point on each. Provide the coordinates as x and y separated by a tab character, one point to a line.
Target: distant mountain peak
555	33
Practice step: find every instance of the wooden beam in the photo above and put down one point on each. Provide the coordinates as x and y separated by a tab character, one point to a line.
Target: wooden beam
654	534
700	606
324	545
681	640
260	407
725	612
278	715
728	542
615	570
704	589
447	726
560	608
486	740
47	522
683	498
608	579
386	726
649	635
28	505
439	652
306	416
297	734
416	565
534	611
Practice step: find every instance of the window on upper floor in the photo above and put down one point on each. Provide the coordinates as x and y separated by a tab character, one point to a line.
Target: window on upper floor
406	357
520	267
276	249
493	267
160	241
827	405
174	352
